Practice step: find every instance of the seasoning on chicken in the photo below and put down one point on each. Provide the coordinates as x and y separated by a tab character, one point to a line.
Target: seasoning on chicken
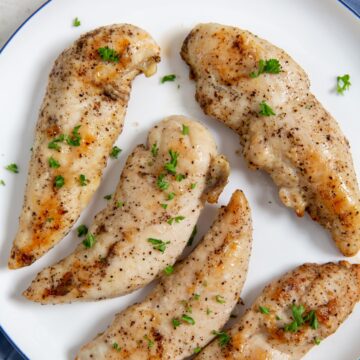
180	315
148	221
260	92
81	116
292	314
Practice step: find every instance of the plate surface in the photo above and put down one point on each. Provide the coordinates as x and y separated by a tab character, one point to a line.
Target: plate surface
322	36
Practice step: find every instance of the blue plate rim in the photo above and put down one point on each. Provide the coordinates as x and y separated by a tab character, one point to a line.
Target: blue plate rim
2	331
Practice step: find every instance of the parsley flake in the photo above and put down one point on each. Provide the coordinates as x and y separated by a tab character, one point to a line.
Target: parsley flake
223	337
154	149
317	341
119	204
185	130
109	55
170	77
83	180
164	206
169	270
89	241
171	166
220	299
188	319
175	322
271	66
76	22
74	138
196	296
82	230
161	183
59	181
171	196
193	186
343	83
192	236
115	152
149	341
116	346
180	177
158	244
12	168
197	350
264	310
53	144
265	109
53	163
177	219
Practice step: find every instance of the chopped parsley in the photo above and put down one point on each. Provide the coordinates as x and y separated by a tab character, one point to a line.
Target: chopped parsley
116	346
170	77
185	130
175	322
343	83
220	299
149	341
169	270
300	319
180	177
59	181
264	310
223	337
171	166
158	244
265	109
161	183
208	311
108	197
74	138
154	149
192	236
53	163
177	219
164	206
188	319
109	55
53	144
193	186
2	182
115	152
89	241
119	204
83	180
12	168
197	350
196	296
171	196
82	230
76	22
271	66
317	341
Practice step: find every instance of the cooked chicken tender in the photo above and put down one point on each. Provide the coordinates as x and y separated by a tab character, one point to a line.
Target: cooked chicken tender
81	117
292	314
260	92
149	220
190	304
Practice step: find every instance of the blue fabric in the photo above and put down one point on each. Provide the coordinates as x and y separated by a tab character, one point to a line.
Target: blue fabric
8	350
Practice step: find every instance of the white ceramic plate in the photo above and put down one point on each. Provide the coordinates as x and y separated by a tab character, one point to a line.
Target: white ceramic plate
321	35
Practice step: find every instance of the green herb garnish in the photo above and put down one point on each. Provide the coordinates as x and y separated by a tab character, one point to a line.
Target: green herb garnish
265	109
171	196
171	166
76	22
119	204
53	163
89	241
169	270
161	183
175	322
193	186
83	180
115	152
177	219
158	244
170	77
188	319
74	138
222	336
164	206
116	346
343	83
185	130
53	144
108	197
108	54
149	341
12	168
197	350
82	230
59	181
220	299
196	296
317	341
271	66
264	310
180	177
154	149
192	236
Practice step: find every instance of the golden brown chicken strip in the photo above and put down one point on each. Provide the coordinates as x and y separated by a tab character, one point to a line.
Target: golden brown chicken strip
292	315
260	92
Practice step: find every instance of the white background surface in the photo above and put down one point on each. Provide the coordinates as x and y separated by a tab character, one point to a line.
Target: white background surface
13	13
321	35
